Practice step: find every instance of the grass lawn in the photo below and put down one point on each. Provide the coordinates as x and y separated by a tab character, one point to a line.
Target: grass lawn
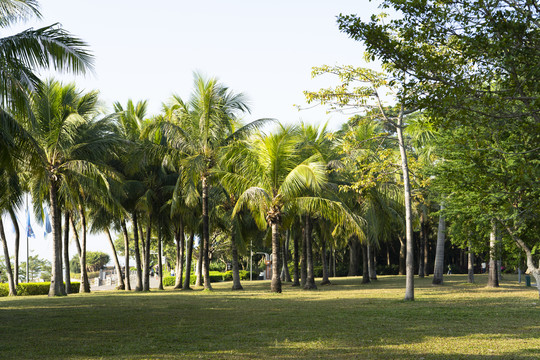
341	321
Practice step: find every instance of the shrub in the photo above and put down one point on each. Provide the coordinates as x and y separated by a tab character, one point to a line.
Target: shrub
244	275
28	289
387	269
215	276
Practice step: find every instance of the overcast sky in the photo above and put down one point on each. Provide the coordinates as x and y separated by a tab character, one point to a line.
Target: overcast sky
149	50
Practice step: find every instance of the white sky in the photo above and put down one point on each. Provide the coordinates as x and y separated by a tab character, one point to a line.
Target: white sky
150	50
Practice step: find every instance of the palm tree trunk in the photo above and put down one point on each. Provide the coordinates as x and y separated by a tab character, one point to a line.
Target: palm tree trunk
235	272
421	267
189	254
470	265
325	280
285	274
134	219
402	254
9	272
146	268
371	262
296	272
120	283
303	258
409	262
276	281
67	273
85	284
365	265
493	278
426	253
332	261
206	234
353	256
160	263
198	280
127	283
310	279
17	242
180	243
438	269
57	283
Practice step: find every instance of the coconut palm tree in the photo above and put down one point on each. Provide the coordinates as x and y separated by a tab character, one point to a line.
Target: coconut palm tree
33	49
272	178
70	145
196	130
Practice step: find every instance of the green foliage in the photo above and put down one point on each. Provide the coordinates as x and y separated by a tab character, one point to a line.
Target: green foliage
95	260
28	289
215	276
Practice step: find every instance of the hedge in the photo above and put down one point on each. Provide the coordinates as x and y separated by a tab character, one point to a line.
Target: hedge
27	289
215	276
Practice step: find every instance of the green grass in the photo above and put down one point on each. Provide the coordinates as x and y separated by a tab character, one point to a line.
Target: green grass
341	321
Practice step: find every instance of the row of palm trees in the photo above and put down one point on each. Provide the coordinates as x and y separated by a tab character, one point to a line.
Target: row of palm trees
195	170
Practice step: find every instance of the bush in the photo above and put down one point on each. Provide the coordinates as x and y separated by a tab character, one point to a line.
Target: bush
244	275
28	289
387	269
215	276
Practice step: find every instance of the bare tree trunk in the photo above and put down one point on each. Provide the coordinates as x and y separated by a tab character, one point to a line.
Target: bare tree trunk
276	281
134	219
285	274
199	269
325	280
421	258
535	271
179	236
76	234
160	263
235	271
206	233
127	283
332	261
17	242
57	283
426	253
493	278
371	262
409	262
353	256
146	268
310	279
189	255
67	273
303	257
296	272
9	272
470	265
438	270
402	253
119	281
365	266
85	284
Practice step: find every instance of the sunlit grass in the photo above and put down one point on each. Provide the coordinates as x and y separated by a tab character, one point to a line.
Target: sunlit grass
342	321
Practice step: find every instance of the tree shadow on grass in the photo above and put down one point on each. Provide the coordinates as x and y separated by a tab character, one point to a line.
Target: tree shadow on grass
256	324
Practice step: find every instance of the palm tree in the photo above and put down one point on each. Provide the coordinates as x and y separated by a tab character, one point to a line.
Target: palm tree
69	146
272	178
196	130
23	53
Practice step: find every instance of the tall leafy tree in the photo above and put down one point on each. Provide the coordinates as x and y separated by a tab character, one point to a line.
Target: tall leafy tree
196	130
272	178
70	145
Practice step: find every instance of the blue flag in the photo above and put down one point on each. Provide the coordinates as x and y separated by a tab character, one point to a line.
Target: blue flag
48	228
29	231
